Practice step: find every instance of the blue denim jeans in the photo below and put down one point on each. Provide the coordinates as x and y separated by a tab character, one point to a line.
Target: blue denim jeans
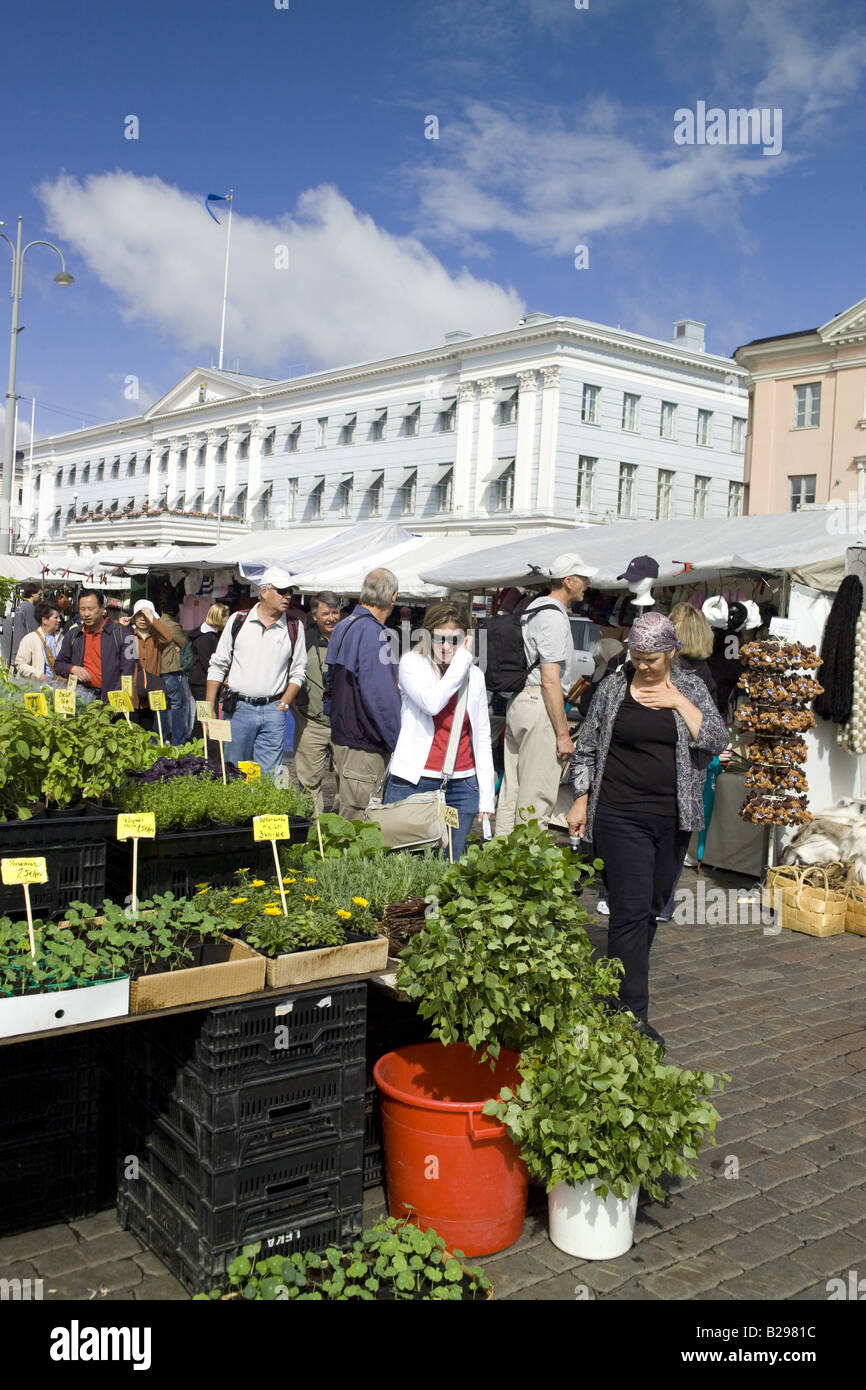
461	793
177	706
257	736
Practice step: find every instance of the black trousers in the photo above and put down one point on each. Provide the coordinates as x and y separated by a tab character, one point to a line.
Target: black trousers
643	855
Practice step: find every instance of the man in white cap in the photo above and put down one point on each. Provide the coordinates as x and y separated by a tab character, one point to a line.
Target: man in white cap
262	658
537	742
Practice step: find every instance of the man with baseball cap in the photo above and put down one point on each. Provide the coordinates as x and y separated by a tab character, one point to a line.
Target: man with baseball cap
262	658
537	742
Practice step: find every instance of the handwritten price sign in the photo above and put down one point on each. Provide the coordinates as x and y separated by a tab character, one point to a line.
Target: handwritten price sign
64	702
120	700
271	828
37	704
139	825
23	871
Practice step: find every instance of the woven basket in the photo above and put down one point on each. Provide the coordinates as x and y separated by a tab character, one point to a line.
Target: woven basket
855	913
807	903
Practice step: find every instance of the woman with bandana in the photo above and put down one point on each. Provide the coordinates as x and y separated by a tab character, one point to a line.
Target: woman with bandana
638	779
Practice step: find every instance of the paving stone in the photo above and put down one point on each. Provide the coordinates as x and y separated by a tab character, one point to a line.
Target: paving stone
79	1285
717	1161
799	1193
21	1270
751	1248
815	1293
793	1135
779	1112
508	1273
851	1204
694	1238
690	1277
164	1289
771	1171
562	1289
831	1255
103	1224
830	1147
813	1222
148	1263
837	1177
748	1126
836	1117
752	1213
777	1087
656	1217
777	1279
717	1194
29	1243
553	1258
534	1231
56	1262
602	1275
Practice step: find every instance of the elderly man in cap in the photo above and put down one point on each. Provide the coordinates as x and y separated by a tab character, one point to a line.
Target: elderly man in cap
537	741
262	659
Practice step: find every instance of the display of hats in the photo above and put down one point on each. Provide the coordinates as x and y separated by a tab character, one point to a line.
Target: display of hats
641	567
715	610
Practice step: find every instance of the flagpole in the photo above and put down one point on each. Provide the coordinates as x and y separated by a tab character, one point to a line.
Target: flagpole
226	278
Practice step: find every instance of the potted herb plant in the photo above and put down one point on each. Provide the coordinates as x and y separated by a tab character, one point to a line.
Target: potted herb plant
597	1115
392	1261
64	982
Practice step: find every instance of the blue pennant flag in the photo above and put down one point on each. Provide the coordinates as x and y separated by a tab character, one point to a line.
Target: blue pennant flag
216	198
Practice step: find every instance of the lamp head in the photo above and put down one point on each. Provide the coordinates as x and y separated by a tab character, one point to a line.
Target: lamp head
64	278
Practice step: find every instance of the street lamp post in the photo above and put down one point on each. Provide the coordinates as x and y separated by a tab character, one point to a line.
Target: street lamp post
61	278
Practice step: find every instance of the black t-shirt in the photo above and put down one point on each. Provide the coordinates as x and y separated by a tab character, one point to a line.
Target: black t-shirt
641	771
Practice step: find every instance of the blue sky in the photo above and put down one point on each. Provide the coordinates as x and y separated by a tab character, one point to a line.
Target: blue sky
555	129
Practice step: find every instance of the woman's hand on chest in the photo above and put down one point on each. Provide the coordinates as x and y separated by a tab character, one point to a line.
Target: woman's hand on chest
662	696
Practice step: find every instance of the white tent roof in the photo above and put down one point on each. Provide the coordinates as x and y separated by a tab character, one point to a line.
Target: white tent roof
369	538
20	567
799	541
259	546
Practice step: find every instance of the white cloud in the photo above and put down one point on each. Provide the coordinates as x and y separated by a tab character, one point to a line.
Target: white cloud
352	292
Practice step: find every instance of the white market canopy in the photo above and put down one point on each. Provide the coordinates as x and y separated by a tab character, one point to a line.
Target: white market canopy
809	544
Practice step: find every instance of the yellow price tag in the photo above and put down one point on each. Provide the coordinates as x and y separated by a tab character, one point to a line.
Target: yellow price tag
270	827
126	684
120	700
220	730
251	770
450	816
203	711
137	825
156	699
23	871
37	704
64	702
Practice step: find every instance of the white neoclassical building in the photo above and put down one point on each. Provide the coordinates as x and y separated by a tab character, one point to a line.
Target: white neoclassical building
555	422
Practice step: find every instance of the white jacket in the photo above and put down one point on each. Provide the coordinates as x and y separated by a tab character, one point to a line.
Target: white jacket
424	693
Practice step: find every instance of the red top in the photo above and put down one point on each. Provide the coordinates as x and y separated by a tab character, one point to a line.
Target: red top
441	729
92	661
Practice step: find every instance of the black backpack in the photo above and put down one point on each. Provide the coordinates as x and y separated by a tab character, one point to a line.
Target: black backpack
506	665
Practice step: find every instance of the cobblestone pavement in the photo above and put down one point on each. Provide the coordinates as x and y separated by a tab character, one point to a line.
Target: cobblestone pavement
777	1209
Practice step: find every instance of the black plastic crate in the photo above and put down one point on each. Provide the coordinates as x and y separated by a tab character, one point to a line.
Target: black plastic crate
207	1241
49	1180
255	1119
22	837
53	1107
198	1266
174	861
240	1043
374	1153
76	872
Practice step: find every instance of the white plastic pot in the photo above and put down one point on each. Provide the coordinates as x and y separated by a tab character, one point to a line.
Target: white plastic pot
582	1224
35	1013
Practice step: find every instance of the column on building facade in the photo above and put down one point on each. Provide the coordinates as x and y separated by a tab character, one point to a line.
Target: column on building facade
463	448
154	478
235	435
214	440
191	478
254	470
484	451
171	481
524	458
546	497
45	518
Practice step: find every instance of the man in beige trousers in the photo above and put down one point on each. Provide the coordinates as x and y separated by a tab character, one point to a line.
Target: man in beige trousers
313	745
537	741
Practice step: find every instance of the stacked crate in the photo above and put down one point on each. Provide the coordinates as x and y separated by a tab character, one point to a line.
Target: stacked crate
245	1124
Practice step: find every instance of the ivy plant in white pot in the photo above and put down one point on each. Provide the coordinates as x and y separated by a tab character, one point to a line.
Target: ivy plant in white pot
598	1115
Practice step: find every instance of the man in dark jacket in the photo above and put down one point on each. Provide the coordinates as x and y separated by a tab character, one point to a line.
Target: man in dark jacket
364	699
99	651
24	617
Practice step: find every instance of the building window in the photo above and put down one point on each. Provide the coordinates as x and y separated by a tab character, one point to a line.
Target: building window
735	498
630	412
344	498
807	406
413	422
244	446
71	475
268	443
585	482
293	440
589	405
163	463
665	495
58	478
407	494
221	452
70	513
703	435
444	492
115	468
448	418
100	471
738	436
627	494
316	498
98	508
668	424
240	507
347	432
85	473
291	498
801	490
508	409
702	497
130	503
115	503
380	421
263	507
377	492
503	491
130	467
180	502
322	432
55	525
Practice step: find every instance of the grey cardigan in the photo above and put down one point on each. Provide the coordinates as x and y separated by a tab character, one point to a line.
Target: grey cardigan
593	740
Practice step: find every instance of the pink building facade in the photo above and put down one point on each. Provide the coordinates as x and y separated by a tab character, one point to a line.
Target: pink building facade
806	434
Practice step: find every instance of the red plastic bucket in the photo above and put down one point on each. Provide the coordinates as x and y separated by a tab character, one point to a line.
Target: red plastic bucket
455	1168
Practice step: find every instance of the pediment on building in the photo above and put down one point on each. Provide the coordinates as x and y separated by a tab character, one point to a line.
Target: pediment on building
202	386
848	327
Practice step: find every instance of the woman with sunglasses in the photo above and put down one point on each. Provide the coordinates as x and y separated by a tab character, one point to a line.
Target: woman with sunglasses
431	680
